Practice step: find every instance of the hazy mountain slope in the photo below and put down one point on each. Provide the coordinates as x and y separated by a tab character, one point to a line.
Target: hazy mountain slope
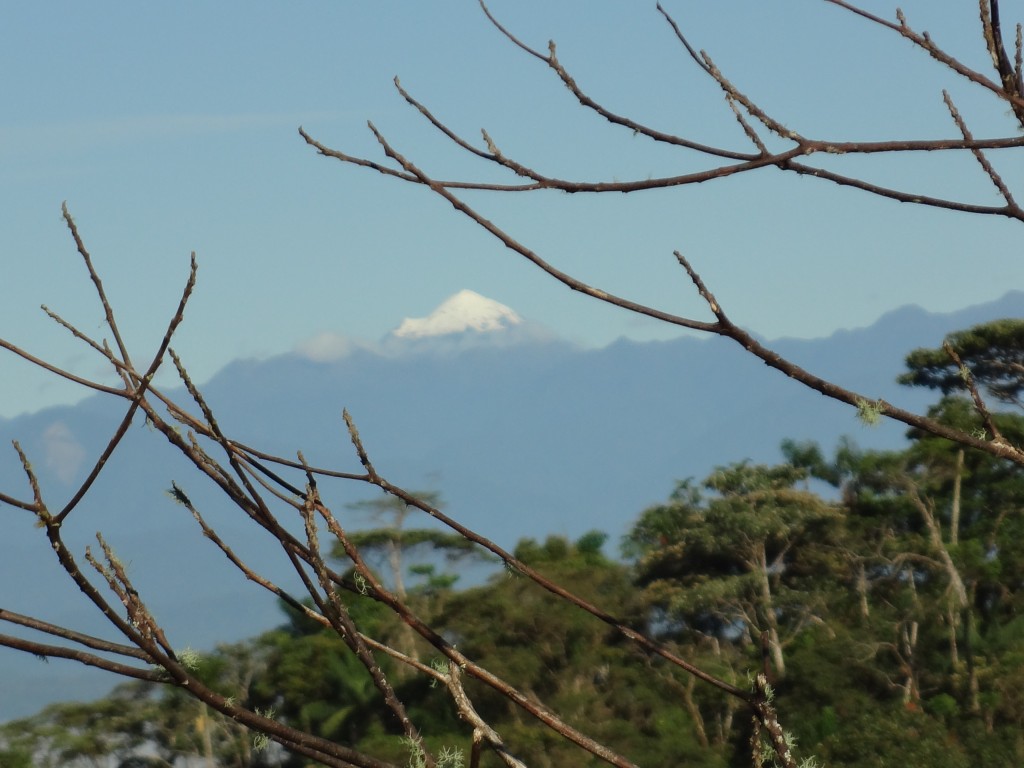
523	435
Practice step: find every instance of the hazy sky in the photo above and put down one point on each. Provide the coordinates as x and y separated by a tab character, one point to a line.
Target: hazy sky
172	127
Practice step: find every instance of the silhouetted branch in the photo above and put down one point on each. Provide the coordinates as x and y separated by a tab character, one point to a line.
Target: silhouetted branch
259	484
785	160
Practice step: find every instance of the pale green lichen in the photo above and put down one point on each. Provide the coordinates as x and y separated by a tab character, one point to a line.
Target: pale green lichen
189	658
450	757
361	584
870	411
260	741
447	757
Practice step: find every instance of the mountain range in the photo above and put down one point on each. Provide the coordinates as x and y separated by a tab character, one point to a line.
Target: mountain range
522	433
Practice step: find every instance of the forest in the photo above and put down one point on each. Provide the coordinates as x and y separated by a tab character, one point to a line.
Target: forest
880	592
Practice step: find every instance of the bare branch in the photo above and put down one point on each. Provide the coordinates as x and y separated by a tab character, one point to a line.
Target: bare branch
338	614
44	650
79	638
1009	74
244	474
969	383
534	708
141	384
924	41
980	156
512	244
481	730
111	323
745	339
59	371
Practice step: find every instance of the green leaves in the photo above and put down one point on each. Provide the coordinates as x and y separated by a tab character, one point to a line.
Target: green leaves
992	352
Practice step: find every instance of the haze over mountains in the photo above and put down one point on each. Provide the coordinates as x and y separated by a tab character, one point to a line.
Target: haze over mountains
524	434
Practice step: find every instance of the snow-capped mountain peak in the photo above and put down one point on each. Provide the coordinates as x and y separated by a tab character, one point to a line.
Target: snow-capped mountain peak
464	311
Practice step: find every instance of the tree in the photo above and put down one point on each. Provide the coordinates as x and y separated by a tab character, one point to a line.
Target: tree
991	354
933	533
77	734
982	494
727	567
396	541
273	491
886	623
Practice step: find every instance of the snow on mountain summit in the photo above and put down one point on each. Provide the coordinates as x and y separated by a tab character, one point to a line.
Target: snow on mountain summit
464	311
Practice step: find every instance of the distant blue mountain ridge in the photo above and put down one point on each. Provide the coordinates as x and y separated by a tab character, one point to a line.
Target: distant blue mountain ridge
522	433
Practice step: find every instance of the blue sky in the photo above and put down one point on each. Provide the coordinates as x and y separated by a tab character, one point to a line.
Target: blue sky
172	127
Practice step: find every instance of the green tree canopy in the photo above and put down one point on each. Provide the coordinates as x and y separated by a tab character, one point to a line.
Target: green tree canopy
727	564
993	353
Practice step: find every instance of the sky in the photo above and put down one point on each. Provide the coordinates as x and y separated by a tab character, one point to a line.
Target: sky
171	128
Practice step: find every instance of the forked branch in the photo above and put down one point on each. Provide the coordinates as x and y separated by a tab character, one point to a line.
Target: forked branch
787	160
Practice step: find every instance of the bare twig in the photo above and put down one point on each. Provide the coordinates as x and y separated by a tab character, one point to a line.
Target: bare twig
244	473
94	276
969	383
924	42
979	155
